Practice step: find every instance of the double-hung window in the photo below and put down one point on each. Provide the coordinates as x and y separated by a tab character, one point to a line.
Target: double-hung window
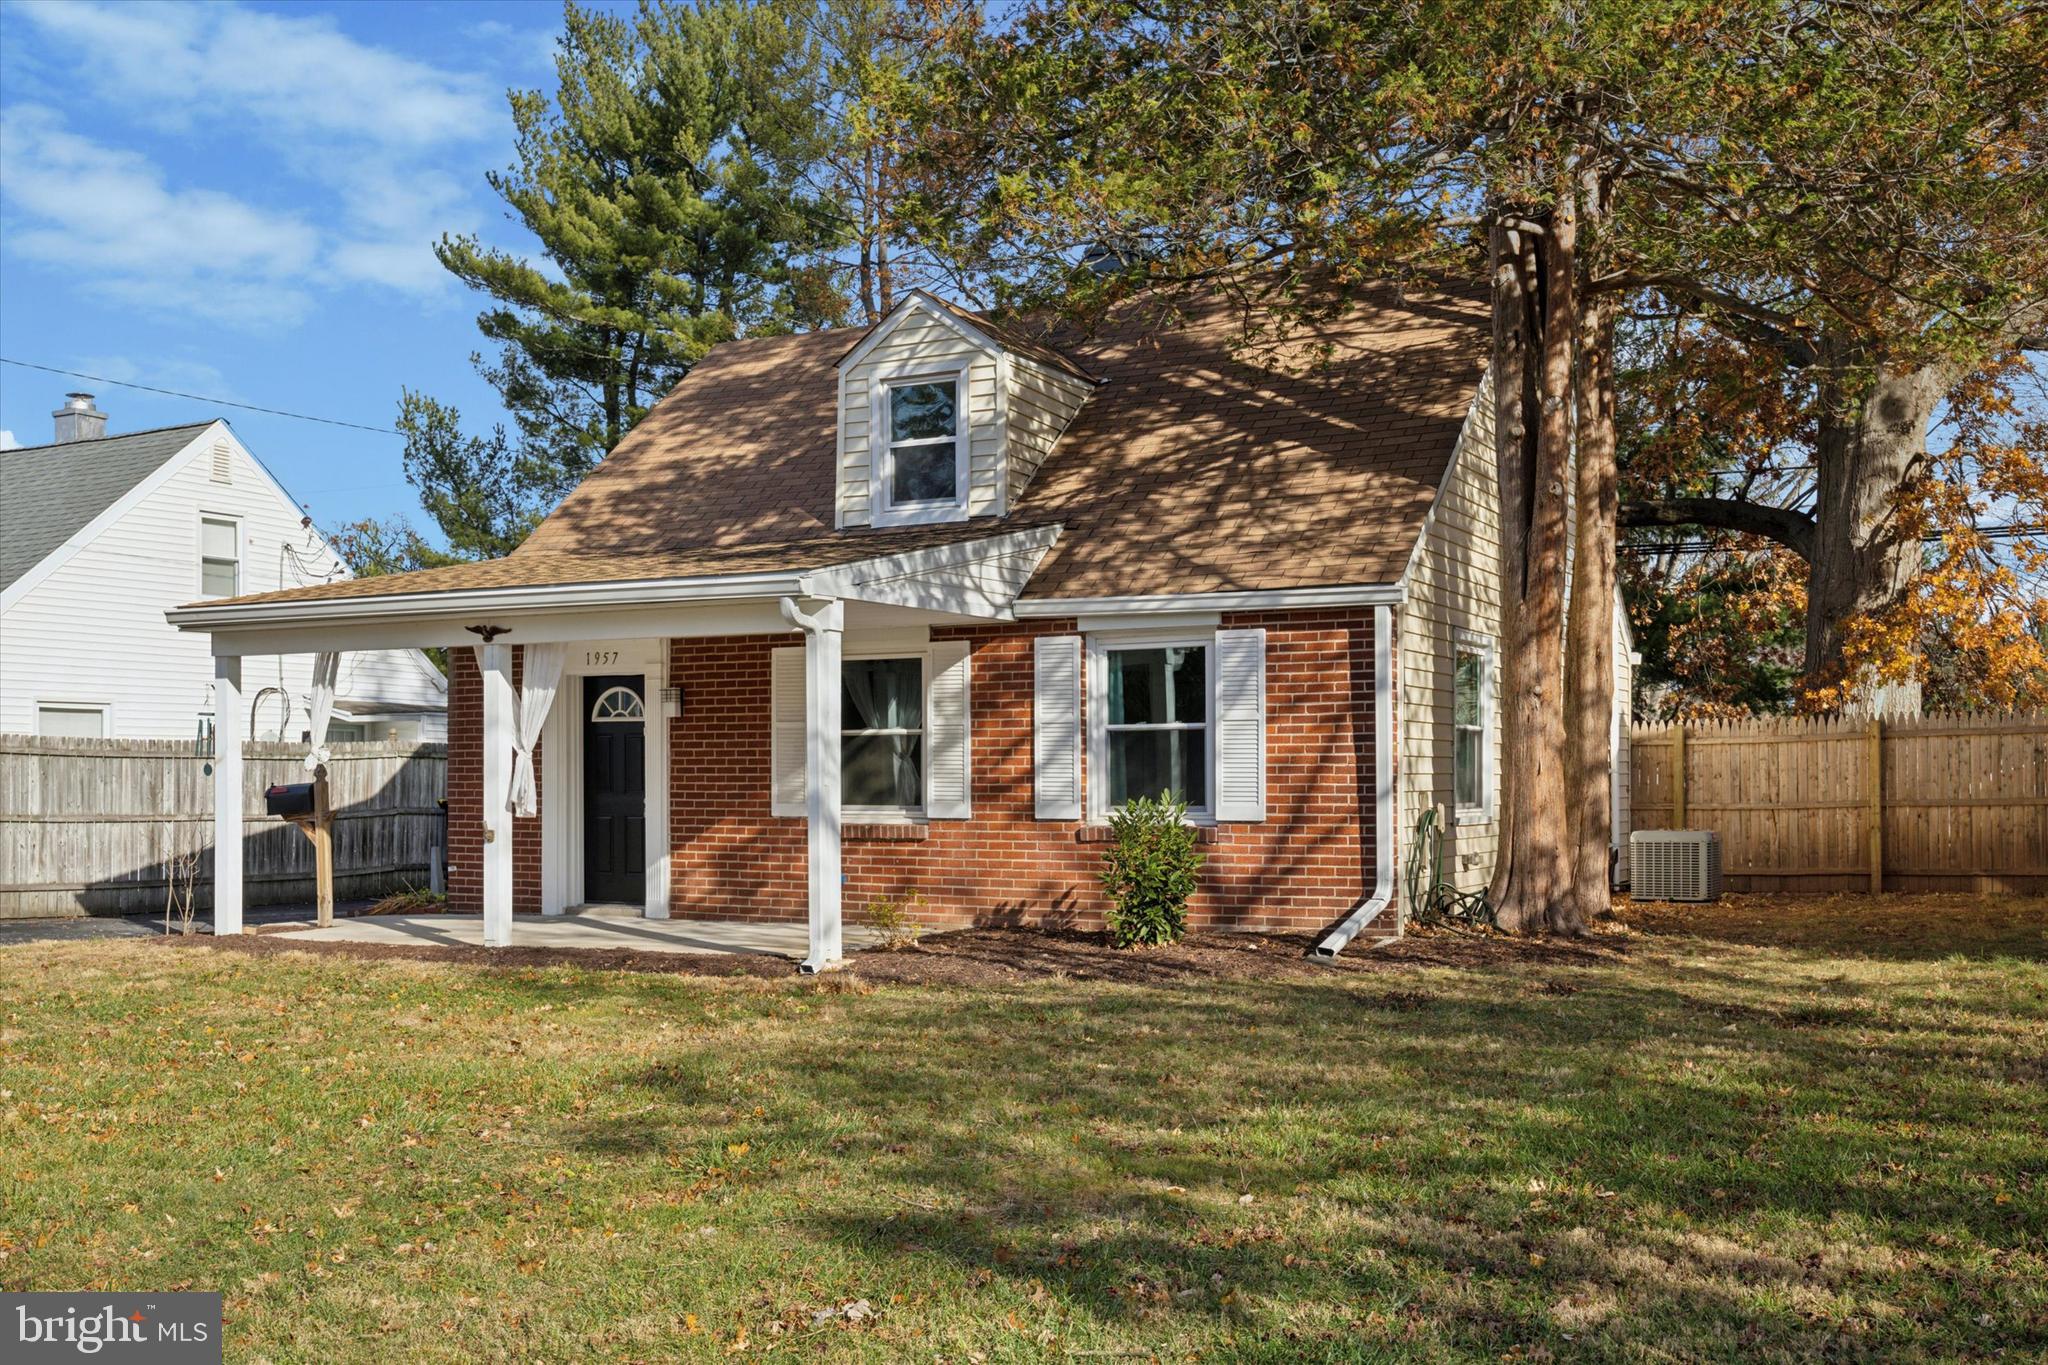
922	470
882	735
1471	720
220	557
1156	723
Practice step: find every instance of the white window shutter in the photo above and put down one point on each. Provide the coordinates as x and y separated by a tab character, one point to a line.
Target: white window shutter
1240	725
786	733
1056	727
947	747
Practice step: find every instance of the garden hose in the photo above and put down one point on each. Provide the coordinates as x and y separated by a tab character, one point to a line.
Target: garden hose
1439	900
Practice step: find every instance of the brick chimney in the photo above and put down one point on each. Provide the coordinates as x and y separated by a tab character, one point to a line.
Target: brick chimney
79	420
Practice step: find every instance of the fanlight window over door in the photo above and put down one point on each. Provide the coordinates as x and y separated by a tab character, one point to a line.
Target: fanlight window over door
617	704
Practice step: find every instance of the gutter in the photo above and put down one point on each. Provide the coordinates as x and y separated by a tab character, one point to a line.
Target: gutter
1383	783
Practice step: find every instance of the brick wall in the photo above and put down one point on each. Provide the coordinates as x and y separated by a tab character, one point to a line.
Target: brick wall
465	795
1307	865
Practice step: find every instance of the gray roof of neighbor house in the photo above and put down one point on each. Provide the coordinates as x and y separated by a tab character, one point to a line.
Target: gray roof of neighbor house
49	494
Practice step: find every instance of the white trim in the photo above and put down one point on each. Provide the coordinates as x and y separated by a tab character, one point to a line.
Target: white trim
105	710
1095	705
234	519
113	512
561	763
1163	620
884	815
550	597
919	302
859	578
883	511
1270	599
1465	641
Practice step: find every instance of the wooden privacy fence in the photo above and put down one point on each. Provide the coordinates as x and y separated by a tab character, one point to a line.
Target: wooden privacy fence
1938	803
93	826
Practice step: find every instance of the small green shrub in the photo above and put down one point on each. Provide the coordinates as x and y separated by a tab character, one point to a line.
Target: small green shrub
1150	870
895	920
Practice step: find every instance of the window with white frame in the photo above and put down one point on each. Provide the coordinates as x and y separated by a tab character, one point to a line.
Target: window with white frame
220	557
71	720
1155	731
881	755
921	465
1471	722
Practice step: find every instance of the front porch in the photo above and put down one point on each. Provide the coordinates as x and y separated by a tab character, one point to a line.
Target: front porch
536	650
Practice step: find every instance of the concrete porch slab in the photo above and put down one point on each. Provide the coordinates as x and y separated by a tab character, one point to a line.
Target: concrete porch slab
602	927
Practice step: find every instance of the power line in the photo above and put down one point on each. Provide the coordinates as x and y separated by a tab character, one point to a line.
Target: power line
197	397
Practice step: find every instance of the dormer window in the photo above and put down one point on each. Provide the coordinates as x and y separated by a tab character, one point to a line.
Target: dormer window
924	460
941	419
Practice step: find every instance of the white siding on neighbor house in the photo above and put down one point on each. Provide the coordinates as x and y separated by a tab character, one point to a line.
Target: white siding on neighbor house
1453	587
93	631
917	341
1042	403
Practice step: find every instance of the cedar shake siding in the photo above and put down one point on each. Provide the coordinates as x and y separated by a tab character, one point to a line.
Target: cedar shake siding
1306	865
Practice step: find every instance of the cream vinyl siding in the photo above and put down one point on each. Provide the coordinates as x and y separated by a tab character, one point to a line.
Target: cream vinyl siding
1453	587
94	629
917	342
1042	403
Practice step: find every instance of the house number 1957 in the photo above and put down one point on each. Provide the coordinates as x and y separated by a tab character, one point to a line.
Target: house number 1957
600	658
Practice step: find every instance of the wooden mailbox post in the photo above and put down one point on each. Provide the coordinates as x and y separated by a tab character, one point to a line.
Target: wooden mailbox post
318	826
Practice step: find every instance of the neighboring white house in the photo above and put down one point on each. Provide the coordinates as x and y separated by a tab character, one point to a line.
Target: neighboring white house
100	535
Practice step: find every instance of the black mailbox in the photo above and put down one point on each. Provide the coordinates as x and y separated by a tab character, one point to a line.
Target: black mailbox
289	798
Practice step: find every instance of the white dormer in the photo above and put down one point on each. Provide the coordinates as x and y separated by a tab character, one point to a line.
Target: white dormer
941	419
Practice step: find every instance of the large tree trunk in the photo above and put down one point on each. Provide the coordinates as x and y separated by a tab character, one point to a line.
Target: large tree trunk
1872	442
1516	324
1536	895
1589	641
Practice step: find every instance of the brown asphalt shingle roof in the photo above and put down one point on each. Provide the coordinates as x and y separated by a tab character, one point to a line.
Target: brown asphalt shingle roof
1190	469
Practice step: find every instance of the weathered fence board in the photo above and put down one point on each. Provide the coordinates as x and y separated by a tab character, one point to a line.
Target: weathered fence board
1938	803
92	826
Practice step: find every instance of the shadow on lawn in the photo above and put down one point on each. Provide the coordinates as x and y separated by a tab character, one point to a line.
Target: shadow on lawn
1893	927
1395	1148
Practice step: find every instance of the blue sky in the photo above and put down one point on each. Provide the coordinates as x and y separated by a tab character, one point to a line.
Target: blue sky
239	201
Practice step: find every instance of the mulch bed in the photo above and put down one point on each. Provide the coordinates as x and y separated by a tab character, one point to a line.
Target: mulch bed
1000	956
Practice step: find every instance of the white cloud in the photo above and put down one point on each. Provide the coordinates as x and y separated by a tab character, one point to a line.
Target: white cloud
370	147
286	75
107	214
7	441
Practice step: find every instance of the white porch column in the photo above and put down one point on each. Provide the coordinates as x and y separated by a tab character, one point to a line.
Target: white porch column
824	633
495	662
227	794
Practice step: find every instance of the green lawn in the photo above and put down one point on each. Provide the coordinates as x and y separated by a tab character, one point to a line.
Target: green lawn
1701	1149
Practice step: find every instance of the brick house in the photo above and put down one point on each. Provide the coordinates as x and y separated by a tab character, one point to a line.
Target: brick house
863	613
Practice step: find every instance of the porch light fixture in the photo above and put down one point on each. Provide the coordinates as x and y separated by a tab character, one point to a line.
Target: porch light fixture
672	703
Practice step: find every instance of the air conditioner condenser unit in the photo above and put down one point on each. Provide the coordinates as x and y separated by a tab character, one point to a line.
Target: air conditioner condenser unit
1674	865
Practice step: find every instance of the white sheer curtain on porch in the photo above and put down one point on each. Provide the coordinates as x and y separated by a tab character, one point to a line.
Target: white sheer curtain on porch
539	679
326	668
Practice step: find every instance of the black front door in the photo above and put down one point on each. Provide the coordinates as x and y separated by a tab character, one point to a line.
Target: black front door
614	790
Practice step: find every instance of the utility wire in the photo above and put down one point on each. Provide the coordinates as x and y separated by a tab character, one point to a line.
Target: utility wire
196	397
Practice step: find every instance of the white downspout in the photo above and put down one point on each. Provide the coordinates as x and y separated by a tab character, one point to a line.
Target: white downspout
1383	784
